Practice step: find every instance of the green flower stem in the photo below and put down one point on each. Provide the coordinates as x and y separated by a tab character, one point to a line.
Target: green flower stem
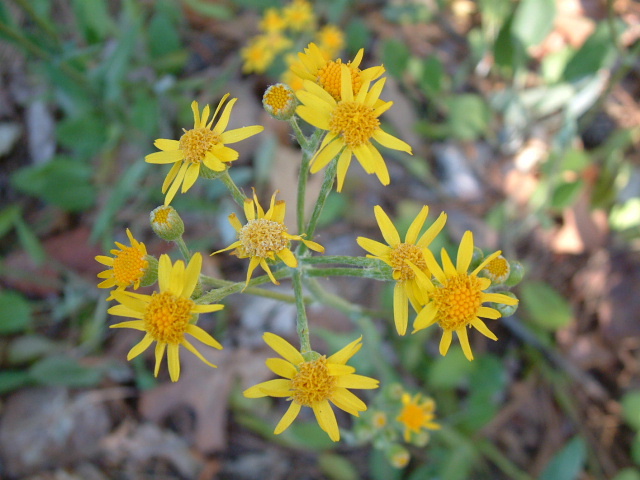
330	299
300	137
309	147
325	189
347	272
229	288
183	249
302	321
342	259
236	193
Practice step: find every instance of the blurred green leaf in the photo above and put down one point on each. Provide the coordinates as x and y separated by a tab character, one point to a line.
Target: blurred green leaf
380	468
631	409
337	467
64	371
16	312
93	18
8	218
567	463
145	112
28	348
450	370
29	241
468	116
626	215
85	134
162	30
592	56
627	474
575	160
433	76
566	194
61	182
12	380
533	21
545	305
553	64
357	35
487	385
213	10
458	462
395	56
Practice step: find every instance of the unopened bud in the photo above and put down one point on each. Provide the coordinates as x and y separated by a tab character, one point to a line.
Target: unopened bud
516	275
506	310
497	270
206	172
420	439
280	101
398	456
150	275
166	223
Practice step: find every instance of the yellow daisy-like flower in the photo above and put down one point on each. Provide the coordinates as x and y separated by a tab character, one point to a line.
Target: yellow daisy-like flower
313	383
265	236
204	145
417	414
166	316
400	256
273	21
290	78
127	266
315	65
352	123
330	40
298	15
455	302
497	270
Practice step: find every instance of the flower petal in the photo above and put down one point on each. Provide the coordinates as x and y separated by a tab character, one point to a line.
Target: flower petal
166	144
173	358
343	355
445	342
171	156
288	258
464	341
140	347
416	226
190	176
357	381
483	329
465	252
400	308
281	367
387	228
288	418
191	275
375	248
279	387
348	402
159	353
203	336
239	134
327	419
431	233
193	350
285	349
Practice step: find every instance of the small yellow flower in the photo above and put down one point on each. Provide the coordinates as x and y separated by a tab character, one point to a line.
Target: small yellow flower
202	145
264	236
127	266
166	223
352	123
279	101
313	383
299	15
290	78
262	50
379	420
398	254
330	40
273	21
315	65
455	302
417	414
497	270
166	316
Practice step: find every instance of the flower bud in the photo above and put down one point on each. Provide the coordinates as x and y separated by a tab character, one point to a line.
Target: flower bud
150	275
166	223
379	420
420	439
516	275
280	101
398	456
497	270
506	310
206	172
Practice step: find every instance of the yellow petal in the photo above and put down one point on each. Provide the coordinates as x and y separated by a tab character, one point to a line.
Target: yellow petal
196	114
190	176
238	134
357	381
343	355
166	144
431	233
285	349
400	308
464	341
426	317
193	350
281	367
387	228
224	117
104	260
483	329
288	258
171	156
324	156
173	358
433	266
375	248
176	183
212	162
203	336
164	272
486	261
135	324
447	265
416	226
346	86
159	353
499	298
140	347
171	176
314	116
279	387
327	419
336	369
465	252
288	418
207	308
191	275
387	140
265	266
486	312
343	165
344	398
176	279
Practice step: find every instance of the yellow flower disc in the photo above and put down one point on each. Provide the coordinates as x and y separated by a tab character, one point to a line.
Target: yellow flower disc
196	142
167	317
313	383
458	301
402	253
498	269
261	237
128	266
355	122
329	78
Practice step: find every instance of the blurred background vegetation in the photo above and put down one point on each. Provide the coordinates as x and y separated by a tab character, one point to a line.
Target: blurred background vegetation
525	124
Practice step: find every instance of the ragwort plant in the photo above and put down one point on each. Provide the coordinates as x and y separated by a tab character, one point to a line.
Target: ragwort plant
342	104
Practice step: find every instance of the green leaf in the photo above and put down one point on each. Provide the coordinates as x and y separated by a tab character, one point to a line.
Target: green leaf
30	242
594	54
567	463
64	371
84	134
450	370
62	182
433	76
566	194
358	34
337	467
468	116
12	380
162	31
28	348
533	21
209	9
627	474
626	215
93	19
380	468
631	408
8	218
16	312
395	56
545	305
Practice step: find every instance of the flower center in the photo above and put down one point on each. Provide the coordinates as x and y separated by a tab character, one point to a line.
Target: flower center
354	122
498	269
402	253
412	416
196	142
312	383
458	301
161	215
167	317
278	98
128	266
261	237
330	78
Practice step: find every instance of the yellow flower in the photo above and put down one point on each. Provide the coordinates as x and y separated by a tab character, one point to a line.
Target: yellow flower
315	65
128	266
261	51
497	270
417	414
398	254
202	145
273	21
313	383
455	302
264	236
279	101
330	40
351	123
299	15
166	316
290	78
